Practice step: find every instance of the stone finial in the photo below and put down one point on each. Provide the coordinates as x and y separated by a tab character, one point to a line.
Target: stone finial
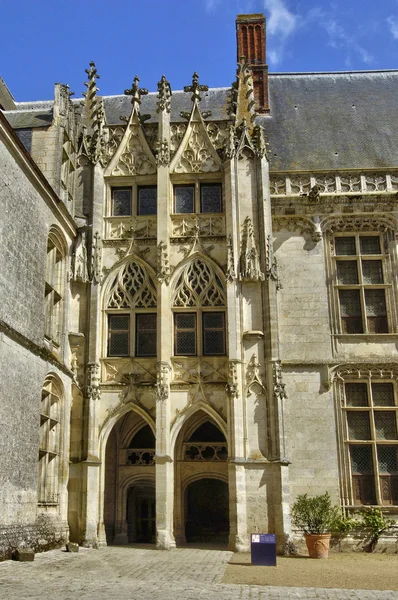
242	102
196	88
95	115
164	95
136	92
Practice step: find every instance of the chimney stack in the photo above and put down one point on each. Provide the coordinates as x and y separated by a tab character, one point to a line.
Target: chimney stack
250	36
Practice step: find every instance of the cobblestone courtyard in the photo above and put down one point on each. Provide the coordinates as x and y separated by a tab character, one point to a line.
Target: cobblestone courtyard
145	574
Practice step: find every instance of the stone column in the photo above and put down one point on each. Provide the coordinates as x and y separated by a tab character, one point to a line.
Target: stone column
90	471
238	539
164	462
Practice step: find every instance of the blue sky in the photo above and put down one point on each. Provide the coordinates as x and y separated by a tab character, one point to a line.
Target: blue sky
48	41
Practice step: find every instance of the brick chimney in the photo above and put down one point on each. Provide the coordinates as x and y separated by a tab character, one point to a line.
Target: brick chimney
250	36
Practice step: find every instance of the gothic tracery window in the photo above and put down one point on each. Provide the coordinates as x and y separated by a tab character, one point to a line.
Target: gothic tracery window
131	309
201	329
198	198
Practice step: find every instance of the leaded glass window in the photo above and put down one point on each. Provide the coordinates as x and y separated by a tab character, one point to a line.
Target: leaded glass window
371	412
185	334
211	198
184	198
147	200
146	334
121	202
213	333
118	335
361	284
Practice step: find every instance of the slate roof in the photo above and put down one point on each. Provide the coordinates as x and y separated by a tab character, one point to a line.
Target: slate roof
318	121
216	100
333	121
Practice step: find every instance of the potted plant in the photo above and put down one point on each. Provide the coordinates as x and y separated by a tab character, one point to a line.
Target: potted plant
317	517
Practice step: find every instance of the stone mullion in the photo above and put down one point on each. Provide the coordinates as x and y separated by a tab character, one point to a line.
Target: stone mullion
163	459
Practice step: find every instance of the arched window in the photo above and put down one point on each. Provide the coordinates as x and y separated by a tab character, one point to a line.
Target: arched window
199	311
49	443
54	286
131	309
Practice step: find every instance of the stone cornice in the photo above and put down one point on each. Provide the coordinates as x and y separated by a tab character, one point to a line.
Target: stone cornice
37	350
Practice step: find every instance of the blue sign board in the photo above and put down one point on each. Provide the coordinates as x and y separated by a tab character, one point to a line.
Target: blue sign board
263	549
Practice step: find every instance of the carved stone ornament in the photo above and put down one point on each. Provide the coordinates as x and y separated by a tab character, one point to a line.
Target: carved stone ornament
301	224
163	154
245	147
79	271
366	371
359	223
231	273
232	387
272	270
163	265
279	386
93	381
164	95
196	88
198	154
313	195
230	144
259	142
162	380
136	157
253	377
249	259
96	261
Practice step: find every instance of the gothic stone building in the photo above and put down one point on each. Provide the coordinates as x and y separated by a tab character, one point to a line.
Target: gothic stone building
198	305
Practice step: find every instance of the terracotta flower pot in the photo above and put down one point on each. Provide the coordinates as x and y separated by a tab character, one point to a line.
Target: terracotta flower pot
318	544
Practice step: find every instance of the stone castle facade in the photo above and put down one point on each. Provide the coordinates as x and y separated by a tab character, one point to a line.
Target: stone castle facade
198	305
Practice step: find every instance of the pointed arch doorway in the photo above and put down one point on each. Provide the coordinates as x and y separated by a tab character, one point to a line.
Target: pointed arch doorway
129	501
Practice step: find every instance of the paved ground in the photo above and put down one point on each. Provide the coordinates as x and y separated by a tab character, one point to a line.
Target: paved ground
127	573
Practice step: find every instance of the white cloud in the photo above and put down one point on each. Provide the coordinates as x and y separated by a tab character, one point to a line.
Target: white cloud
281	22
393	25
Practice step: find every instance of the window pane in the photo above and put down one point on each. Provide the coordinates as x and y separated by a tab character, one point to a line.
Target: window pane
356	394
213	333
118	344
210	198
358	425
146	335
383	394
185	334
372	271
184	199
345	246
119	328
347	272
350	308
386	425
387	457
147	200
362	475
376	311
121	202
370	244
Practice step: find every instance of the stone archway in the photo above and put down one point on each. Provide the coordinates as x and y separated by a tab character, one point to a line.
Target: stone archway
129	495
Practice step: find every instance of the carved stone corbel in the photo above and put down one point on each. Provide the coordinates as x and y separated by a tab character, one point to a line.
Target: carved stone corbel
162	380
253	376
93	381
